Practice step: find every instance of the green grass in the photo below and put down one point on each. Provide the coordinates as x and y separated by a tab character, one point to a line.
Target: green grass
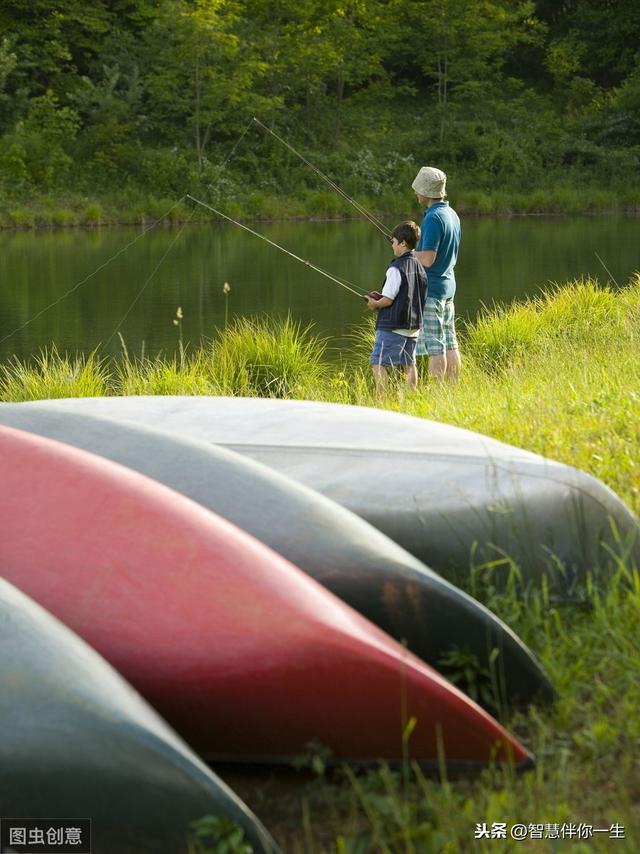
559	375
267	358
132	206
51	375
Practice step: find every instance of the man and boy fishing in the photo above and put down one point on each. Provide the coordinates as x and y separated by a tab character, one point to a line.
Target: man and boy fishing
415	310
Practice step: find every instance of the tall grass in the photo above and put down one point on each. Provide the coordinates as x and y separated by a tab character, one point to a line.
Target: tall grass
586	747
52	375
267	358
180	374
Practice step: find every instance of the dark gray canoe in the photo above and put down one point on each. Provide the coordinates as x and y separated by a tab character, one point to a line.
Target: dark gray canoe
348	556
77	742
444	494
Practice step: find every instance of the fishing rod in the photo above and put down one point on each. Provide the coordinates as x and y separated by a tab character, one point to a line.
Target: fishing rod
606	268
367	214
281	248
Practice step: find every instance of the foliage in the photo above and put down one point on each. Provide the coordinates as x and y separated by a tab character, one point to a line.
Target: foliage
214	834
158	95
266	358
52	375
161	375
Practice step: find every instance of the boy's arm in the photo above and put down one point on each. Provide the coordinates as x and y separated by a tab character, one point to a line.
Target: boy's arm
377	304
389	291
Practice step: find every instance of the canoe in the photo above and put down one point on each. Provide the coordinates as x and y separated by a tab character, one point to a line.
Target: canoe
455	497
337	548
77	741
245	655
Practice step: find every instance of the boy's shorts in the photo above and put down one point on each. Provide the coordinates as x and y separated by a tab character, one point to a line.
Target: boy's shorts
392	350
438	332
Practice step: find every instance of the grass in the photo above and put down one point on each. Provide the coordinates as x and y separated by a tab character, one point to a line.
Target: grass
267	358
52	375
559	375
137	207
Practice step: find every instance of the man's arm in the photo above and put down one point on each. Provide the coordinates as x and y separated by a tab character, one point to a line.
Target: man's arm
426	257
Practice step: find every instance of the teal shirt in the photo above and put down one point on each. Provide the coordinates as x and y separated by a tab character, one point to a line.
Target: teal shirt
440	232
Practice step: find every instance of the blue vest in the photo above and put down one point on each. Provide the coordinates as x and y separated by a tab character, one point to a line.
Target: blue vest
405	312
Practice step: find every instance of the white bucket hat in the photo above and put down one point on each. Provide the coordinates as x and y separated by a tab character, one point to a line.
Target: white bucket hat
430	182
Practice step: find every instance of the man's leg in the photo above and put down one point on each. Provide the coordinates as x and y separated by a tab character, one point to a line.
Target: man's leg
452	355
438	366
433	344
453	364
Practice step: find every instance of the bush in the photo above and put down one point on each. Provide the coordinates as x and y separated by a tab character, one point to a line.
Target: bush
267	358
64	216
22	217
93	214
51	375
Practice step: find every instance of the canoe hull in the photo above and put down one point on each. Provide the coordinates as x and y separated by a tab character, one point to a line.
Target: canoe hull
77	741
353	560
244	654
462	499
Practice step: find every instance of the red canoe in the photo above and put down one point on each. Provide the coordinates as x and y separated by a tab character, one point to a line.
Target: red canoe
243	653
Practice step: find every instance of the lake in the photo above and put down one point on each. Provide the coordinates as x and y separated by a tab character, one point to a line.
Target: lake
79	288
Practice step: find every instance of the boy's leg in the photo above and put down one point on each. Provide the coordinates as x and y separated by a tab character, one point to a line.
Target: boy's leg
411	373
380	379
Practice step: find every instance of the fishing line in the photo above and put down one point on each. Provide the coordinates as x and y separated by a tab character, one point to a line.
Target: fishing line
367	214
86	279
232	152
120	252
342	284
154	271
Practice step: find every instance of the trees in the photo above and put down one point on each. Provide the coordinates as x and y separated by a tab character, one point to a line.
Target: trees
159	90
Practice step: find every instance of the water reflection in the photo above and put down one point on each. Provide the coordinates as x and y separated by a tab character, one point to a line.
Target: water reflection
138	290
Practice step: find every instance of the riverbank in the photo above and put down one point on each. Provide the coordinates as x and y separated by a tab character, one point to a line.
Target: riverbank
558	375
134	208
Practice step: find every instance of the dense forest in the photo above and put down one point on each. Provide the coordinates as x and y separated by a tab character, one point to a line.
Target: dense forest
158	96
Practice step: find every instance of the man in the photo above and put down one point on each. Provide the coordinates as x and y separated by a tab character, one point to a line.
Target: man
437	251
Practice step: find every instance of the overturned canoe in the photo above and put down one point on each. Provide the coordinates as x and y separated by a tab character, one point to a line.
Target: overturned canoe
77	741
337	548
451	497
244	654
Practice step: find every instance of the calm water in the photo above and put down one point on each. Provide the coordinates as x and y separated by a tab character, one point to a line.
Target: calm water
138	291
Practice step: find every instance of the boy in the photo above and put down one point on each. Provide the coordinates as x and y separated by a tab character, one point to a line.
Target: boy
399	310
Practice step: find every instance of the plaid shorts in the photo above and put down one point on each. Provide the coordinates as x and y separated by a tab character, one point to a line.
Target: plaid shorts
438	333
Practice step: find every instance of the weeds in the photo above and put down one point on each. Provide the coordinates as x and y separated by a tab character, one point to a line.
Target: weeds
51	375
266	358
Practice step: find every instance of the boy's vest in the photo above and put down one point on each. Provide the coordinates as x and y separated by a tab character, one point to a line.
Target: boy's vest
406	310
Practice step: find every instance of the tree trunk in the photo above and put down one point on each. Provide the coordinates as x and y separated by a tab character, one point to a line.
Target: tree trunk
198	128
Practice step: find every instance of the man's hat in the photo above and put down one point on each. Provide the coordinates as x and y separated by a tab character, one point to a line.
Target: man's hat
430	182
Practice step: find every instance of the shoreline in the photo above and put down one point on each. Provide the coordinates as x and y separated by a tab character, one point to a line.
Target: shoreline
92	214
